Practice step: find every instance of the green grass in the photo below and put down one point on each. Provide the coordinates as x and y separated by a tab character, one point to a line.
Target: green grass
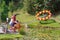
39	31
2	36
43	33
52	25
24	17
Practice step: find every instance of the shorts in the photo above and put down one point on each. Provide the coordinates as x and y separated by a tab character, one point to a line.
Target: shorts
11	24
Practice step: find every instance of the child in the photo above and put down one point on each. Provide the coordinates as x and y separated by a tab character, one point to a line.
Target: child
13	20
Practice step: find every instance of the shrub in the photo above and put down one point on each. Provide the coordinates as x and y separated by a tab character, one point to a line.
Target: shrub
22	32
47	21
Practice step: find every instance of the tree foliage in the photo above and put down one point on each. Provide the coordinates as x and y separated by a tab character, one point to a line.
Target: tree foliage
9	5
38	5
31	6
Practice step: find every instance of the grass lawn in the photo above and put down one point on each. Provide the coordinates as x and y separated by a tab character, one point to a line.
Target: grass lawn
52	25
6	36
29	19
40	33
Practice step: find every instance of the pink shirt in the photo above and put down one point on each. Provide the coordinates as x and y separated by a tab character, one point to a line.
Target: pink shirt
14	18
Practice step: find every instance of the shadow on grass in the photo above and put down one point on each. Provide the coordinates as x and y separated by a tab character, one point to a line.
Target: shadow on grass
49	21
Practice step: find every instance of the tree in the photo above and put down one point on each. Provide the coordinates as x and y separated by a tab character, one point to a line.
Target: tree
39	5
2	5
3	11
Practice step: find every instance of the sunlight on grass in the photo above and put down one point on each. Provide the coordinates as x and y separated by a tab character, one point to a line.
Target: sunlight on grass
9	36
